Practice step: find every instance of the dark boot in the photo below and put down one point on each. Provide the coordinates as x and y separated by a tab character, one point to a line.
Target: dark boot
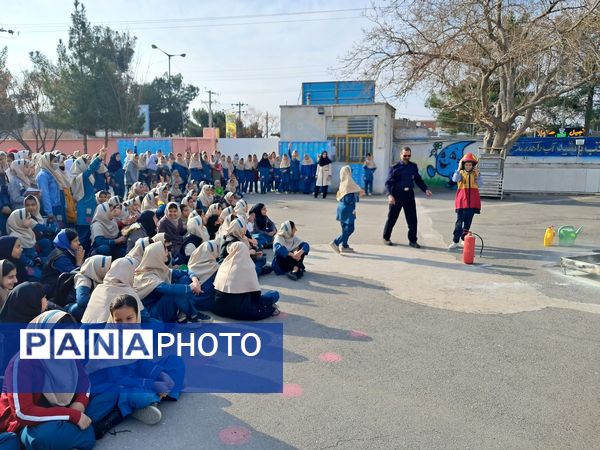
109	422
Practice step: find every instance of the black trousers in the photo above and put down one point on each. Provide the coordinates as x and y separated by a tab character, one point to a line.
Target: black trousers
325	189
405	200
464	219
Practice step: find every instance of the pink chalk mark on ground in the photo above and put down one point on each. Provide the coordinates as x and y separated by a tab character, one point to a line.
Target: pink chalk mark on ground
291	390
235	435
282	315
358	334
330	357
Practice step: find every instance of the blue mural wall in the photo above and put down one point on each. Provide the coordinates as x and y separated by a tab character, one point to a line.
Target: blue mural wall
143	146
536	146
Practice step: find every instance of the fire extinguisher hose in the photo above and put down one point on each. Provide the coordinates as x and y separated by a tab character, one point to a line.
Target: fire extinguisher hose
480	238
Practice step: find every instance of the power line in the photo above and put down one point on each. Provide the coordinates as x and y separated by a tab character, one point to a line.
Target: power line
209	25
195	19
239	106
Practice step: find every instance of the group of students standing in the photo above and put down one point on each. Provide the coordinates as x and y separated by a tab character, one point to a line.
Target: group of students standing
154	254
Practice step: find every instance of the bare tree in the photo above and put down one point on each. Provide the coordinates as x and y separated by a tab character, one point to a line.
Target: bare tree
510	55
35	105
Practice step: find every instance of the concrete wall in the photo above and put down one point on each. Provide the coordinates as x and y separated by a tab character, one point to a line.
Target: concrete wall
248	146
552	174
304	123
68	146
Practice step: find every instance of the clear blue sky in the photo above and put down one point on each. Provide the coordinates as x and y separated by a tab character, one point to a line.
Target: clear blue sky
255	52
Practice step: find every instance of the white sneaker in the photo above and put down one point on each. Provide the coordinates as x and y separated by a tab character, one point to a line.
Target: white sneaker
334	247
453	246
150	415
346	249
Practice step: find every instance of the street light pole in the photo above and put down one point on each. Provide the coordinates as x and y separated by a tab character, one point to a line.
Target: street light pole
169	55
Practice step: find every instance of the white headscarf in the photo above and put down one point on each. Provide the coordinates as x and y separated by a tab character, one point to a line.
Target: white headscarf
237	273
137	252
241	208
16	171
152	270
92	271
204	196
222	231
307	160
285	162
203	262
213	210
16	227
102	224
117	281
196	227
61	377
77	169
237	228
227	211
149	201
347	184
284	237
37	214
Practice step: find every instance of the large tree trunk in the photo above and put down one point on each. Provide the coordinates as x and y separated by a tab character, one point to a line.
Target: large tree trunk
105	137
85	141
500	138
589	108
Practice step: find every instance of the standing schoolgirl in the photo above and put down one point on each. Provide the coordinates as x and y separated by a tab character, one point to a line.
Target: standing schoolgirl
468	200
347	196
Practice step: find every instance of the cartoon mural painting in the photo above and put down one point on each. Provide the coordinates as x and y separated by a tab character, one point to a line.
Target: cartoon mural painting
446	159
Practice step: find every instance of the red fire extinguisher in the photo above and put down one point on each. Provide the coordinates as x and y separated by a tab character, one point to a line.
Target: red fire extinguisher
469	248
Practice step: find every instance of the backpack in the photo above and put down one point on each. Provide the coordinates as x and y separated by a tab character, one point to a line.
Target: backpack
65	289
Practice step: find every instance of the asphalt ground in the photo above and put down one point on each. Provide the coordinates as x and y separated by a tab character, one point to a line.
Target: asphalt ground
394	348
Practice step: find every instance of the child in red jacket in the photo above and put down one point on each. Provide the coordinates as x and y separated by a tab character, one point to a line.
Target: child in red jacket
52	419
468	201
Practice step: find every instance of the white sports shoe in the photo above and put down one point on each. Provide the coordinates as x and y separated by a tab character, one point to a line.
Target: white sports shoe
150	415
453	246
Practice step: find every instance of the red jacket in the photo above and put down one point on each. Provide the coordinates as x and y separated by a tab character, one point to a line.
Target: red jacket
20	408
467	194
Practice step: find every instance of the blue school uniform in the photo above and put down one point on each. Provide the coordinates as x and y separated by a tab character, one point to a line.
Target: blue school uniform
294	175
196	174
164	302
87	205
134	381
285	180
280	253
183	173
307	174
368	179
346	215
53	198
4	201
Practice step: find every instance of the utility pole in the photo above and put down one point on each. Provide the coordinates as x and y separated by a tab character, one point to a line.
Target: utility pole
267	127
239	106
210	102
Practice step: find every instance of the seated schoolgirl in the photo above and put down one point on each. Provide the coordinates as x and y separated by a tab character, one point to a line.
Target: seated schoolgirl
106	237
219	190
172	225
158	288
202	269
117	281
206	197
65	415
197	234
230	199
8	280
264	228
10	250
233	185
66	257
237	291
237	232
213	219
44	233
144	227
90	275
289	252
20	225
241	209
141	384
102	197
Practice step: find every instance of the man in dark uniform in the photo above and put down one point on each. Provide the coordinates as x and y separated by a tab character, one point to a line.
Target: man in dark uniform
400	185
